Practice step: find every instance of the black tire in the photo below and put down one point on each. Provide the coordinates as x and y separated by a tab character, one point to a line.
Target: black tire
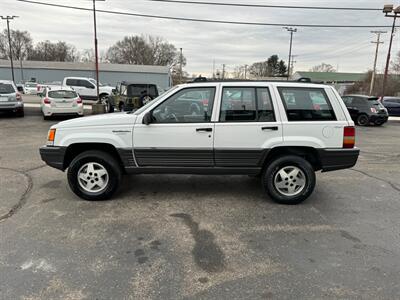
362	120
270	173
378	123
99	157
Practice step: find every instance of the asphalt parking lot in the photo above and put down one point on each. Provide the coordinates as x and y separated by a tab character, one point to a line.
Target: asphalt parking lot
198	237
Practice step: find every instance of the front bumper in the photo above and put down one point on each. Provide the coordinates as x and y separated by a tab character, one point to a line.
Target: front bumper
336	159
53	156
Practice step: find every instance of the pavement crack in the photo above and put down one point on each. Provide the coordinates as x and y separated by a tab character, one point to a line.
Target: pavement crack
35	168
22	200
378	178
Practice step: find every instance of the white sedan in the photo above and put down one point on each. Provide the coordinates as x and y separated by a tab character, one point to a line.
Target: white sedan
30	88
61	102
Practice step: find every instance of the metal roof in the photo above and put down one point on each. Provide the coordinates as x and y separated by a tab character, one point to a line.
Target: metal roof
57	65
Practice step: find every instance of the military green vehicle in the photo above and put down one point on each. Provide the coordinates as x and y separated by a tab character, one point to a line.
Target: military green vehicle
128	96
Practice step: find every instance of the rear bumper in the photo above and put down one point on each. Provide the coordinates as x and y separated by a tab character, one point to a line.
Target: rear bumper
14	107
52	111
379	118
336	159
53	156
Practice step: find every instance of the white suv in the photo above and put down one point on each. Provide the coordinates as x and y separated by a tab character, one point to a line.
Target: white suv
281	131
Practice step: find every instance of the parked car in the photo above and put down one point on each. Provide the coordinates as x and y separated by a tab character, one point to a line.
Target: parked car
392	104
10	98
31	88
61	102
365	110
128	95
47	85
283	132
87	89
20	88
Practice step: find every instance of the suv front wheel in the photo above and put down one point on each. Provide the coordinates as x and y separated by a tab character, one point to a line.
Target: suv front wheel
289	179
94	175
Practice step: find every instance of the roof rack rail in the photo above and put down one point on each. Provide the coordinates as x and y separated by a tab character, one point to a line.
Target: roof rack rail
205	79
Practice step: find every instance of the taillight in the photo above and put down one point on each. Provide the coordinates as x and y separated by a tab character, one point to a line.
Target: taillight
373	110
46	101
18	97
79	100
38	88
349	137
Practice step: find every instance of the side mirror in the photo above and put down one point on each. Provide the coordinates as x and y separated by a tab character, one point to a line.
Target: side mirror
148	118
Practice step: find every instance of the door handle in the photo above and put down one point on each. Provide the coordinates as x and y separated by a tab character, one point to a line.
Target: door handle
270	128
204	129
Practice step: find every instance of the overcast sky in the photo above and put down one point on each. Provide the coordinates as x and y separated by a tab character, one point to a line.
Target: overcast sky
349	50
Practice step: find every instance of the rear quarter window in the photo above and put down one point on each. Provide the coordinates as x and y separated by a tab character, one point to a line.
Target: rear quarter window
306	104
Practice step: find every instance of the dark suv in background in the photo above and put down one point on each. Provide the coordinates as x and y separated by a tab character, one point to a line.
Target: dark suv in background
365	110
392	104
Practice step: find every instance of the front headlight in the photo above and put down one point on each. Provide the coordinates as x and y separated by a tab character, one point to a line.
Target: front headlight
51	136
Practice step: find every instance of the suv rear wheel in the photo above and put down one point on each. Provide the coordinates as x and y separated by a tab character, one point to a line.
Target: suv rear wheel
94	175
289	179
362	120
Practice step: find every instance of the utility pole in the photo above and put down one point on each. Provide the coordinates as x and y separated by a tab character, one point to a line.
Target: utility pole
245	72
291	30
99	107
8	18
292	61
378	42
223	72
213	73
180	66
387	9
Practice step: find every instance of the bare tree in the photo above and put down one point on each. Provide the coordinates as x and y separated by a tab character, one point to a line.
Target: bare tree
272	67
21	42
323	67
49	51
144	50
396	64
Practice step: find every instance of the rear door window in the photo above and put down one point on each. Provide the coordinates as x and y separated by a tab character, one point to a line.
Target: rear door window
306	104
71	82
246	104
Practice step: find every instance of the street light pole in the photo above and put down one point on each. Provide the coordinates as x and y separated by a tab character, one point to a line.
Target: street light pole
8	18
388	9
291	30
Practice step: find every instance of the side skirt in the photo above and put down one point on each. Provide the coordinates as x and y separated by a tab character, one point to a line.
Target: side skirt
194	170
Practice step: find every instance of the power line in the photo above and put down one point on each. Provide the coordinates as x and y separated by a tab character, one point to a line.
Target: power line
205	20
268	5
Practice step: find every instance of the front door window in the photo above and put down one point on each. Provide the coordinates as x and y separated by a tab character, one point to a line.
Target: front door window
191	105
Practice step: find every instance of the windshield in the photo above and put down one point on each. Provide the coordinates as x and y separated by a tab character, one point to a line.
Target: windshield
94	82
62	94
30	85
143	108
6	88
